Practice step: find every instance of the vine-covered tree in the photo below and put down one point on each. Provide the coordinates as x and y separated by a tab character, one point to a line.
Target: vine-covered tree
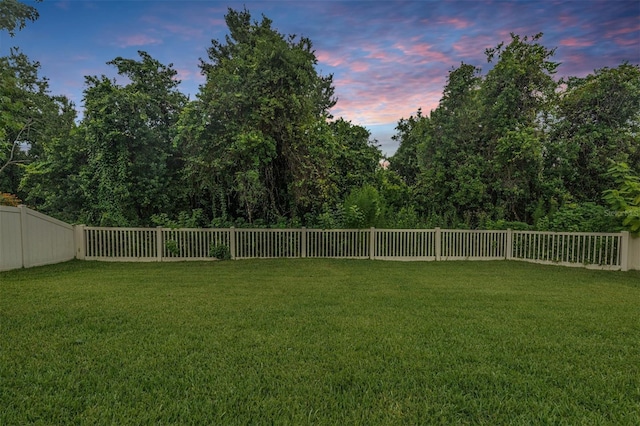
257	141
131	161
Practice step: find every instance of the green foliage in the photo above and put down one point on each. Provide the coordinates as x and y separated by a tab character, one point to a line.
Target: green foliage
364	208
503	224
14	15
625	199
131	162
598	121
172	247
192	219
220	251
30	117
579	217
258	143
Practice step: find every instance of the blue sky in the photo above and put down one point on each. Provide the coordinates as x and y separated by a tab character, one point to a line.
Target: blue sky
388	58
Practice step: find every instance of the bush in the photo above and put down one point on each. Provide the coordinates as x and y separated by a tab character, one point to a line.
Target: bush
583	217
220	251
9	200
363	208
172	247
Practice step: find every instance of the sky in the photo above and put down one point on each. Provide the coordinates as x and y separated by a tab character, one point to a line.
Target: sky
388	58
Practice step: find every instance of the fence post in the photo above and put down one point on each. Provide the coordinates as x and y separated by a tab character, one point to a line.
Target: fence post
372	243
80	241
624	250
159	244
232	242
24	236
509	244
303	242
438	243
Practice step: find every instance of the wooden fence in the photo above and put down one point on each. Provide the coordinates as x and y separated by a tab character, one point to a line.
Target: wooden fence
594	250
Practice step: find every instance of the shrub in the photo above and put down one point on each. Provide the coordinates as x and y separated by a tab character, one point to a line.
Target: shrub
9	200
220	251
172	247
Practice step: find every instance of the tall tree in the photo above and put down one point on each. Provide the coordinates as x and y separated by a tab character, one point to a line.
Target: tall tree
257	139
132	163
517	95
29	116
597	121
451	182
357	158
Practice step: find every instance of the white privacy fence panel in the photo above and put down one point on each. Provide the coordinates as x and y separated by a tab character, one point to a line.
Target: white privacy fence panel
338	243
29	238
10	238
583	249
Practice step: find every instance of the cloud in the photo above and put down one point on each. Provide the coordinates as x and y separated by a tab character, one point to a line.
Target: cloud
457	23
575	42
136	40
424	51
330	58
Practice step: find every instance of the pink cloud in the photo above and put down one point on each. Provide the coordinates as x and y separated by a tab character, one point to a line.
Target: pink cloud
379	99
626	41
379	53
575	42
455	22
468	48
136	40
424	51
359	66
623	31
329	58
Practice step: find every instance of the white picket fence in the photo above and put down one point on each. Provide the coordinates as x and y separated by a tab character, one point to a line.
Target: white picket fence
593	250
29	238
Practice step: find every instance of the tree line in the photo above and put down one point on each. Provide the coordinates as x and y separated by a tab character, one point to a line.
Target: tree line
258	145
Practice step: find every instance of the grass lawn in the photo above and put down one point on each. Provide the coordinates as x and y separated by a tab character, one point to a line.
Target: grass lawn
331	342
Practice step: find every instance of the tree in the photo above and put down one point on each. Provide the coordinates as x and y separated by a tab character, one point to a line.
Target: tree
15	14
258	143
597	121
357	157
410	134
132	165
30	116
450	183
516	98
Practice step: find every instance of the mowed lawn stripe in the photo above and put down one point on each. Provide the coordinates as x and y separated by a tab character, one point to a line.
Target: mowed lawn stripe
307	341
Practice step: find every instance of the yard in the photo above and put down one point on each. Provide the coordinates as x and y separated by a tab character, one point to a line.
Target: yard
302	341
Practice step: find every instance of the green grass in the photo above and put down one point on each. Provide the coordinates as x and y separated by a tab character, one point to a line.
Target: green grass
319	342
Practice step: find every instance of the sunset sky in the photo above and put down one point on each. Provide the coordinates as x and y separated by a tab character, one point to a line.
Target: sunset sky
388	58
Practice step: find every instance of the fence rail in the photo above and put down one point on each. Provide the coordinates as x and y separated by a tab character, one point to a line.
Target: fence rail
595	250
29	238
